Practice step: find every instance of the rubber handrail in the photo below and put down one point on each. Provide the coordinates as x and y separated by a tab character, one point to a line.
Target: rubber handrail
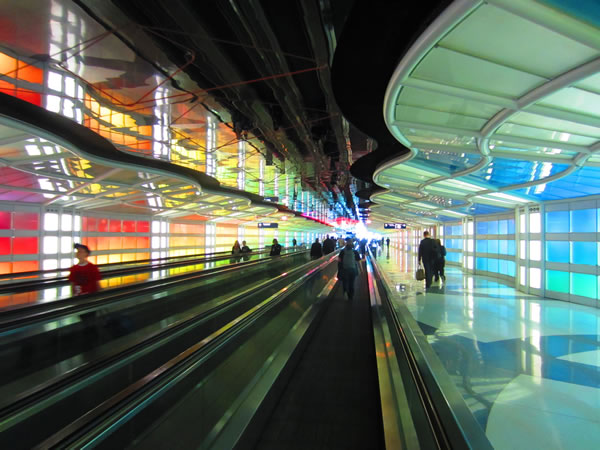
38	284
177	365
60	382
43	310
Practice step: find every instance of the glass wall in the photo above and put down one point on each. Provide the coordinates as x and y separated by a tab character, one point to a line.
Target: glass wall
551	250
571	251
495	246
453	241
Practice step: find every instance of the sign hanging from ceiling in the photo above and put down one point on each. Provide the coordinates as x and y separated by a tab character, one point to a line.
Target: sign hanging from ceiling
394	226
268	225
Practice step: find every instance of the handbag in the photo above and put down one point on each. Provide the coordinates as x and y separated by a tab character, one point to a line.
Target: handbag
420	275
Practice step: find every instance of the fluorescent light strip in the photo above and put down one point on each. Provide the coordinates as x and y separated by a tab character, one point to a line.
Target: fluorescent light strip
508	197
453	213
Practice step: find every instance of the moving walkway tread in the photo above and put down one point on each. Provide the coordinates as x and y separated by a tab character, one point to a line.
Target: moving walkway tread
332	398
130	362
28	346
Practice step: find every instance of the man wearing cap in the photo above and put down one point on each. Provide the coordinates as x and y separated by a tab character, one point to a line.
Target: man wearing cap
84	275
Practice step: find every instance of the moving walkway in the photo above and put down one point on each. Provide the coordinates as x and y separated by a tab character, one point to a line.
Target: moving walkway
217	378
25	289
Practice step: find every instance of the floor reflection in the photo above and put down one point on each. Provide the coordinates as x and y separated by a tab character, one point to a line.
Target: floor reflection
528	367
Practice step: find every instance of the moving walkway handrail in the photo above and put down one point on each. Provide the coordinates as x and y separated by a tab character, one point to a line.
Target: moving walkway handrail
60	382
46	283
35	312
116	409
33	273
451	423
130	263
102	266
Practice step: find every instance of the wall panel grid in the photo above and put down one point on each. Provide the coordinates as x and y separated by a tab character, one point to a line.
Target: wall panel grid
453	241
550	249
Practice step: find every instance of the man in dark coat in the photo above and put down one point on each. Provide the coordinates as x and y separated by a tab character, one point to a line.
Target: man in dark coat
328	245
428	254
316	251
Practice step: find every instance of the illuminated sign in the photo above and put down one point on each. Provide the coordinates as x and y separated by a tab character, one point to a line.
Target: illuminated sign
268	225
394	226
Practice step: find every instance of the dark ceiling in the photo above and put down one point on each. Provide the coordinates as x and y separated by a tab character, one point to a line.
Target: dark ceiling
269	64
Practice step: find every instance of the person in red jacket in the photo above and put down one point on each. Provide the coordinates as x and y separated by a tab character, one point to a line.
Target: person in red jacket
84	275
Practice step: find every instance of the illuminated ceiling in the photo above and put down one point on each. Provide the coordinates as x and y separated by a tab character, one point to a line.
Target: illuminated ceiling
186	92
499	104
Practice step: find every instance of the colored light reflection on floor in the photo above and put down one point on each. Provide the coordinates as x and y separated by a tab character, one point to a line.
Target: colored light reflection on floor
527	367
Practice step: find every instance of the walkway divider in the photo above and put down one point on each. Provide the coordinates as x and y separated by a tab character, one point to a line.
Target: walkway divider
421	406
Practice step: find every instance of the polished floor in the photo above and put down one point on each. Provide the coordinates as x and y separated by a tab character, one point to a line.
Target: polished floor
528	367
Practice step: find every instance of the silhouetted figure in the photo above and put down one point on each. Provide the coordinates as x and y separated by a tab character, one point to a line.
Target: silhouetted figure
275	248
246	251
328	245
348	268
440	261
316	250
427	255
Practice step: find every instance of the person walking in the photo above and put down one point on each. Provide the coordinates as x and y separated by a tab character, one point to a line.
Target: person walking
387	242
246	251
316	250
348	268
440	262
427	256
275	248
84	276
245	248
236	249
328	245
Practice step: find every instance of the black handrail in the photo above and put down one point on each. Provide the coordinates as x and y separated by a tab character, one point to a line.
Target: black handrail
451	422
122	402
35	312
39	284
59	383
101	267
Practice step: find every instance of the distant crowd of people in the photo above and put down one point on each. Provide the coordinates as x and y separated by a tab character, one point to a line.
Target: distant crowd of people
85	276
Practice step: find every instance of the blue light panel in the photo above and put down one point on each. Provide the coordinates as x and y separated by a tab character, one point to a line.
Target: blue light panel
481	246
583	181
584	253
583	220
585	10
557	251
511	226
481	264
493	227
493	246
557	222
478	208
511	248
454	257
482	227
504	172
446	162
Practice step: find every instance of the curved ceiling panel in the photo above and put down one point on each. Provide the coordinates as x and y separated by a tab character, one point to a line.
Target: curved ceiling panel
499	102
